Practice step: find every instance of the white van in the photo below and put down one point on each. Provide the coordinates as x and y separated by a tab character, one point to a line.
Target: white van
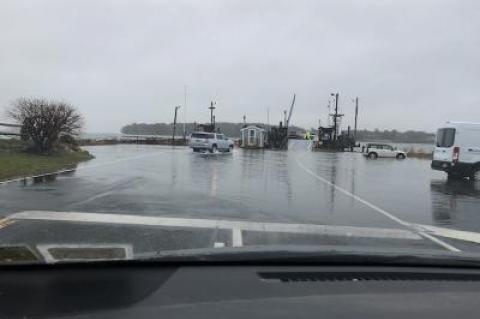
457	150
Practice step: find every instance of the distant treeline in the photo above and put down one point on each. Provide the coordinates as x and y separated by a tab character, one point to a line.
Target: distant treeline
396	136
229	129
233	130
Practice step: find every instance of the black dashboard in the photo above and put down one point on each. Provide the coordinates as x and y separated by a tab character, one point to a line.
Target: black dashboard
237	291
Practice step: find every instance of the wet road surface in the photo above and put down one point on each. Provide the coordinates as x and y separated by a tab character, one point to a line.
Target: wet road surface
298	186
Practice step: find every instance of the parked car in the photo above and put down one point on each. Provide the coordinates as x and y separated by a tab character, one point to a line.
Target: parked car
375	151
457	150
210	142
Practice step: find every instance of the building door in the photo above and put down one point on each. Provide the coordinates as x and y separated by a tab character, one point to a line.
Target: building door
251	137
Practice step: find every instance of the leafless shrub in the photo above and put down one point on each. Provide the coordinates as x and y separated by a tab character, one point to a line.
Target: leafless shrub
44	122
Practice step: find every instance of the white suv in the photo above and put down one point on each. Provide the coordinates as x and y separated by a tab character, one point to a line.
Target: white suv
211	142
384	150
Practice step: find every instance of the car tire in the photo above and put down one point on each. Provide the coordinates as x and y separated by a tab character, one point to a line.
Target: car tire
372	155
474	175
230	148
400	156
213	149
196	150
454	176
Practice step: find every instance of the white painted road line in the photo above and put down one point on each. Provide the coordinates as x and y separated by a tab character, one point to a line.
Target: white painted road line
4	222
237	239
83	251
92	198
450	233
380	210
121	219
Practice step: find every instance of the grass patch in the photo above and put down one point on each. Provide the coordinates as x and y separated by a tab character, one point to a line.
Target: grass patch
427	156
419	153
12	145
16	162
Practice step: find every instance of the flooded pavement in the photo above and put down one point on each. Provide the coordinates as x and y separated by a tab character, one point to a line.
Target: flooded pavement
298	186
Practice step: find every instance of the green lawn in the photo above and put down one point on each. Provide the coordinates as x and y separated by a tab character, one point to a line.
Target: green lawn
14	162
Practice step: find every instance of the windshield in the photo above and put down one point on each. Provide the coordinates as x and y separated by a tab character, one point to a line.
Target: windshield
203	135
446	137
134	129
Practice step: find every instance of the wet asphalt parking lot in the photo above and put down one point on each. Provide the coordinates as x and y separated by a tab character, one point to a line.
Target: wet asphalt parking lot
251	186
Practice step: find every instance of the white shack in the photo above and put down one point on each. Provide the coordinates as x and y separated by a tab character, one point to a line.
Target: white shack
252	137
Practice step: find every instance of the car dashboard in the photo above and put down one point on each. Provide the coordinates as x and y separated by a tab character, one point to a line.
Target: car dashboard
237	291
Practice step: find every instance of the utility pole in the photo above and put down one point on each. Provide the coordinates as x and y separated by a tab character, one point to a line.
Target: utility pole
329	106
212	118
356	119
185	114
335	117
268	118
175	124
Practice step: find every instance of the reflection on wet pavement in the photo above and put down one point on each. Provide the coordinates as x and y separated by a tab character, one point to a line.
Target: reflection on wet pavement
455	203
253	185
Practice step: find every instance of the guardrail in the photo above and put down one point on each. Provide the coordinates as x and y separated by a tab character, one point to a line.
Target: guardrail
10	129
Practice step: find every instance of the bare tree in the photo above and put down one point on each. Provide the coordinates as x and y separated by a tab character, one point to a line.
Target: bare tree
44	122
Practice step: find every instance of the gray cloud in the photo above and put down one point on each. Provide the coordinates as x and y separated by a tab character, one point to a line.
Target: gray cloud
414	64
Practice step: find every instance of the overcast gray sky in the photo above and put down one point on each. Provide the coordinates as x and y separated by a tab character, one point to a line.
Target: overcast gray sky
413	64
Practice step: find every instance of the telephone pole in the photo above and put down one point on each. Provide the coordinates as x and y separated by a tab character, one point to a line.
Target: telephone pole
212	118
335	116
185	115
175	124
356	119
268	119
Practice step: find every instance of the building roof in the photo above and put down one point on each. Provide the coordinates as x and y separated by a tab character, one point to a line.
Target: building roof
252	127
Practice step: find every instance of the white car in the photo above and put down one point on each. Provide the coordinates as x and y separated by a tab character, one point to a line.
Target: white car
457	150
375	151
210	142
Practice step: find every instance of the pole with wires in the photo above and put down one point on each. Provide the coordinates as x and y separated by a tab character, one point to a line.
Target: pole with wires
185	114
356	119
175	124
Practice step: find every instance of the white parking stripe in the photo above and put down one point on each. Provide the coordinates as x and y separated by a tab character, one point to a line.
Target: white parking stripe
121	219
237	239
45	251
379	210
92	198
451	233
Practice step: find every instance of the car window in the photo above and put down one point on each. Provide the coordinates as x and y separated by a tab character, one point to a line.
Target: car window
136	128
446	137
203	135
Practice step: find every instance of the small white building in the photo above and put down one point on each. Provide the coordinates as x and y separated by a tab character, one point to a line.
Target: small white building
252	137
